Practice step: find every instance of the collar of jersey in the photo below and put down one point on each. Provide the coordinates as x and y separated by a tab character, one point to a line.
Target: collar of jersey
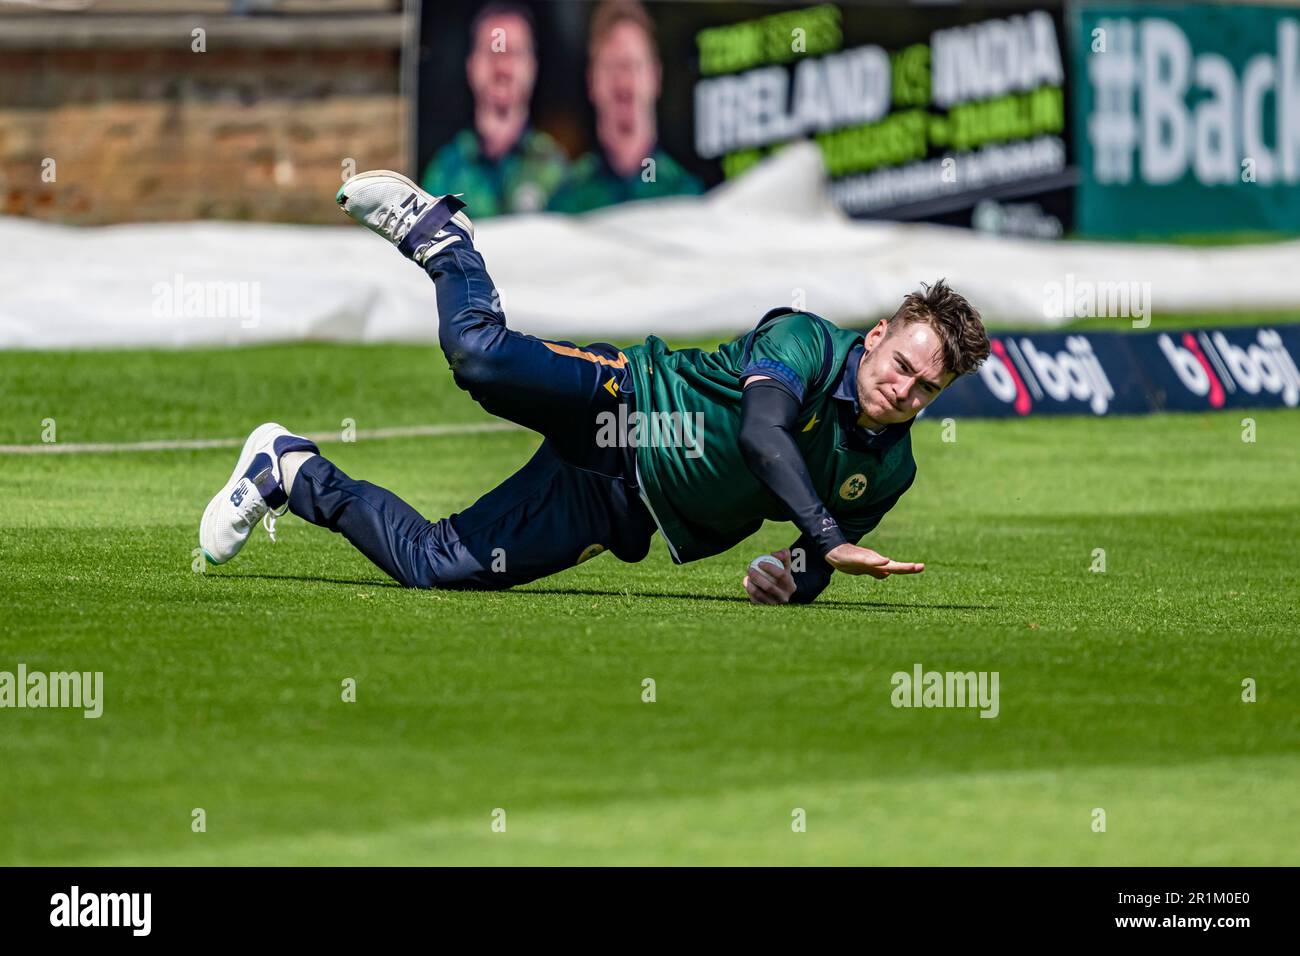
856	436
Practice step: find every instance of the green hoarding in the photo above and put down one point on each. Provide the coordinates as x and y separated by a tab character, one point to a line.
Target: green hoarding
1187	119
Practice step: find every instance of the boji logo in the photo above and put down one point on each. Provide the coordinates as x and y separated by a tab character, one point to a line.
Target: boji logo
1212	367
1002	379
1023	374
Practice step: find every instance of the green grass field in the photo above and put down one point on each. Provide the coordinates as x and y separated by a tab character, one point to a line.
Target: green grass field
1118	690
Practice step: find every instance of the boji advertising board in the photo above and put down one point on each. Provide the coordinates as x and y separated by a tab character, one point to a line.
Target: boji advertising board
1104	373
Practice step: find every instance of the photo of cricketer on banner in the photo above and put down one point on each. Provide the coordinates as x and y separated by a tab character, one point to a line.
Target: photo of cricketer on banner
947	114
1135	373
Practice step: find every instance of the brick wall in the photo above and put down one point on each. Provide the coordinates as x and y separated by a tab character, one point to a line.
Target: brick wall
257	127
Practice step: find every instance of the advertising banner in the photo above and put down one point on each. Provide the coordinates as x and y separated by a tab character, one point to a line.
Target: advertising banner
1187	119
952	114
917	117
1126	373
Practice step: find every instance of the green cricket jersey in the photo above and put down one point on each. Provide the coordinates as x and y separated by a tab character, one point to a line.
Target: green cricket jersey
702	494
592	184
522	180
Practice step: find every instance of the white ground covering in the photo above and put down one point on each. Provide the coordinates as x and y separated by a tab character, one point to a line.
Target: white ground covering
681	266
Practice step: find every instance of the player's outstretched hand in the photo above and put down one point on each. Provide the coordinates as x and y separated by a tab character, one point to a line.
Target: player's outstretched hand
851	559
765	584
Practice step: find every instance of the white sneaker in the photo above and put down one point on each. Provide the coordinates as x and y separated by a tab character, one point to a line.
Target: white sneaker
253	491
410	218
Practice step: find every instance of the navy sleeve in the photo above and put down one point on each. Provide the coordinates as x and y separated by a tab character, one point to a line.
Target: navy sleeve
780	374
767	416
789	350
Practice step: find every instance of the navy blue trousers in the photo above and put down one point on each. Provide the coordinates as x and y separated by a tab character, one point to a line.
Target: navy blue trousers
572	500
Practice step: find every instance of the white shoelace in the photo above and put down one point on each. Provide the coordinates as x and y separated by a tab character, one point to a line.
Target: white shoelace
401	221
268	521
247	511
398	220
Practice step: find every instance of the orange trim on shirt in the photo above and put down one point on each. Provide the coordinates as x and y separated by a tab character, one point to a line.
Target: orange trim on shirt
589	356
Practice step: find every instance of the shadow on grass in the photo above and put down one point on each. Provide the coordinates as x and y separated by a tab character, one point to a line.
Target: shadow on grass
310	579
732	599
521	591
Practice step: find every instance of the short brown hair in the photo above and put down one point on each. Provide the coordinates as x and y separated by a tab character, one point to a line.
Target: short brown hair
613	12
961	333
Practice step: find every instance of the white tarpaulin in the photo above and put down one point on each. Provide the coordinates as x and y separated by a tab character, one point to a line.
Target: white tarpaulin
673	267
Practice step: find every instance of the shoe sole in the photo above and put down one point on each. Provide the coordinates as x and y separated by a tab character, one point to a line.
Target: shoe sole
459	218
245	459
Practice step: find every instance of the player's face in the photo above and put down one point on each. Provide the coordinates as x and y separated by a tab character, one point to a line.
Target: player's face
901	373
624	77
502	67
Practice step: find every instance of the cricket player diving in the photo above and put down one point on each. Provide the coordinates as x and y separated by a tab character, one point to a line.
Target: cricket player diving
798	420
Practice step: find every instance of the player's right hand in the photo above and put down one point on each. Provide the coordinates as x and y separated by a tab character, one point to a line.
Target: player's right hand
851	559
765	585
